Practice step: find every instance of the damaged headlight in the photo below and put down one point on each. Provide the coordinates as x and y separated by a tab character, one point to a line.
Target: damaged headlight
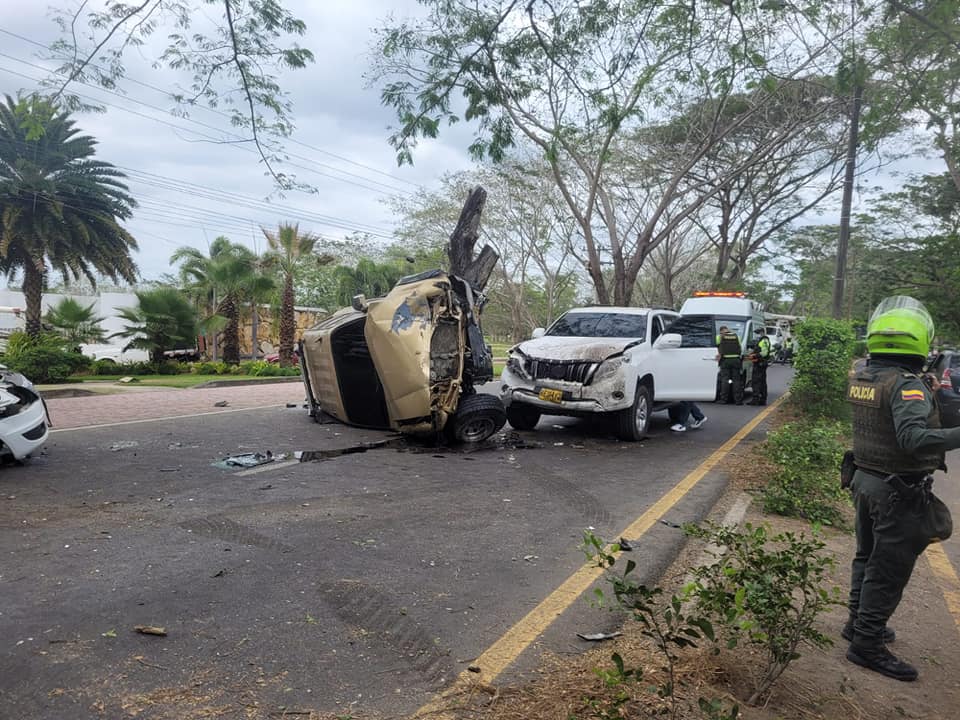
516	366
607	369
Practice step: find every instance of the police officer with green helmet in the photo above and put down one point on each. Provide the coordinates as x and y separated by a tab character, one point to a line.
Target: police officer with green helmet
730	359
897	445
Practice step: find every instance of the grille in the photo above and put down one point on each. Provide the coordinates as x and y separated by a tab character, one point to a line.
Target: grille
570	370
36	433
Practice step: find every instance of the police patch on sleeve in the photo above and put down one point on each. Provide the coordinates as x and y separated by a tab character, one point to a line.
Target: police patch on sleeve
911	395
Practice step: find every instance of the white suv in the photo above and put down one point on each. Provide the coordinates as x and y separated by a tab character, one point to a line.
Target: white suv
620	360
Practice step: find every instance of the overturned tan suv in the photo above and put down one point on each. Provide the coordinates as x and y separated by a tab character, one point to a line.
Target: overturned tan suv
409	361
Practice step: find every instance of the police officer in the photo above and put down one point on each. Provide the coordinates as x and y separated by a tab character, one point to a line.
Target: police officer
897	444
761	358
730	357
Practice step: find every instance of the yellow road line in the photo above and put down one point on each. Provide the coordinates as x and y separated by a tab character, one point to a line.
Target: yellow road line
508	648
947	579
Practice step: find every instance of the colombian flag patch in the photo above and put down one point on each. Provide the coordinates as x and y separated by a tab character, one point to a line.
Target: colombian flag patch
911	394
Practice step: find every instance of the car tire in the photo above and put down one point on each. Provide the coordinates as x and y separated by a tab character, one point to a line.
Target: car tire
477	418
523	417
634	422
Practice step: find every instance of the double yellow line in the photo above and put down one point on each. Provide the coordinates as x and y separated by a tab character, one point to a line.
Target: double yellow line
499	656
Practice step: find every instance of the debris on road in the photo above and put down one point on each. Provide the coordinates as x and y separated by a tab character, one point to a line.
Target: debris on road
123	445
245	460
597	637
127	379
221	403
150	630
219	573
625	545
473	668
292	405
672	524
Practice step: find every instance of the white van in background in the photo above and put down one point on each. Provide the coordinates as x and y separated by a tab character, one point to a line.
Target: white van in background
703	315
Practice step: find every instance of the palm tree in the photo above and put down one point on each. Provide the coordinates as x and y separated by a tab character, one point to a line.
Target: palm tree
76	323
163	320
288	248
221	282
370	278
59	208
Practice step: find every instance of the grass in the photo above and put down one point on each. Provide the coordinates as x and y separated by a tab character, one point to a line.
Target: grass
174	381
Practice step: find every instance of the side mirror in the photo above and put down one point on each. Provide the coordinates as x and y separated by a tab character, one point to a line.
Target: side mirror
359	303
538	332
668	341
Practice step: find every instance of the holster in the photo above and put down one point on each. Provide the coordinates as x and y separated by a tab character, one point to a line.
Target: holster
935	520
848	466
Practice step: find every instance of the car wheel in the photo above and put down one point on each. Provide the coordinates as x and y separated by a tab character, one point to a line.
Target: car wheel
522	417
633	422
477	418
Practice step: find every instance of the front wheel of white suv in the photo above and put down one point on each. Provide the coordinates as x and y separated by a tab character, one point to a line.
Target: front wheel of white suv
634	421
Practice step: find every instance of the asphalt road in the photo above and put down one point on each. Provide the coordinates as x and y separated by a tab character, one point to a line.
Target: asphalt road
361	584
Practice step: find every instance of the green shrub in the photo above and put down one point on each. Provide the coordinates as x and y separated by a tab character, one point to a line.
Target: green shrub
822	363
860	349
42	359
104	366
766	592
168	367
807	482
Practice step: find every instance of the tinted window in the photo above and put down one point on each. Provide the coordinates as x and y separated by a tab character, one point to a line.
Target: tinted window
616	325
954	360
696	330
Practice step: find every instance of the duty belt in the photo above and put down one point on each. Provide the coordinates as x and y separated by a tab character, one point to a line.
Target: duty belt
913	479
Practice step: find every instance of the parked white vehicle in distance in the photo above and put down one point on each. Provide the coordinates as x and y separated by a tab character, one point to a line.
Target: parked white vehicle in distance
115	353
24	424
620	361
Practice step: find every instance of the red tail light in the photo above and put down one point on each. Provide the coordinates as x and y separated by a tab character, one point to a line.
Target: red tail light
945	380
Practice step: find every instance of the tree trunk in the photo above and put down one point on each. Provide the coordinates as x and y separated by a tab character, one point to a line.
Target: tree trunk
231	333
33	294
853	140
288	325
254	328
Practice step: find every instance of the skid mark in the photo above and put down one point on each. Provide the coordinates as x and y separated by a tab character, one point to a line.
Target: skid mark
221	528
379	615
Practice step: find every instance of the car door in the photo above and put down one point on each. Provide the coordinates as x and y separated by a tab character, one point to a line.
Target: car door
687	372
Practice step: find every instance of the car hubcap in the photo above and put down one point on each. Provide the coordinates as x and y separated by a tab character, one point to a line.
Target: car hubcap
641	415
477	430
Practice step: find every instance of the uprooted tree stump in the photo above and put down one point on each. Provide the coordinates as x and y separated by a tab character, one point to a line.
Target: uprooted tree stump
475	271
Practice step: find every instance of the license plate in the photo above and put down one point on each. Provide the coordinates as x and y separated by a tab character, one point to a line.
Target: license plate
551	395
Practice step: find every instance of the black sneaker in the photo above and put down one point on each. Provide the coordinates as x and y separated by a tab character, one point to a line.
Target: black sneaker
888	634
882	661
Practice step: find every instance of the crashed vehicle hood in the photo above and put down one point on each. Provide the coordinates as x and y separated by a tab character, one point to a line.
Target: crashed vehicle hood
575	348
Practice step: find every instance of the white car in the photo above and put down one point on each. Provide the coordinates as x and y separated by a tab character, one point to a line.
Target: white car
24	423
622	361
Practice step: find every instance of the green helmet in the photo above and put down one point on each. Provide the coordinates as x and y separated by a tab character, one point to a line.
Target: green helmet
900	326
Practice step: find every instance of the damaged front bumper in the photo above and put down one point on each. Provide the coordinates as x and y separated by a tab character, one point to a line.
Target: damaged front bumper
24	424
559	397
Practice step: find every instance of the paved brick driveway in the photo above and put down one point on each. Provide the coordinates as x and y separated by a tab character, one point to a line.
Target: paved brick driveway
128	406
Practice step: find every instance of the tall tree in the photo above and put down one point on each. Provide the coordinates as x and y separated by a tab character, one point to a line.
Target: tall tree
577	78
60	209
224	279
288	248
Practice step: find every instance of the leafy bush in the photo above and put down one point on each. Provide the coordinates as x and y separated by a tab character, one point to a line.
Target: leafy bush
262	368
169	367
860	349
822	363
806	484
42	359
211	368
104	366
766	592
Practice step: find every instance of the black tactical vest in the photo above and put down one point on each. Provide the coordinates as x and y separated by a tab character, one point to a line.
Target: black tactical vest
729	345
874	435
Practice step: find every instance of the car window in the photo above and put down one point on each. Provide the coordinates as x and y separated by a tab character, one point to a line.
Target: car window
656	329
615	325
695	330
954	360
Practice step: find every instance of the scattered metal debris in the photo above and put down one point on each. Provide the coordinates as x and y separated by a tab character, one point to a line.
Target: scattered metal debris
671	524
123	445
245	460
597	637
625	545
221	403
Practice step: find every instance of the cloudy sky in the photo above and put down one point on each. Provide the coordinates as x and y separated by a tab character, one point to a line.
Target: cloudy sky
191	189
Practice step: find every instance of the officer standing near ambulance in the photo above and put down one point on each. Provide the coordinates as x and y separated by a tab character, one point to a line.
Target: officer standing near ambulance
761	359
730	357
897	445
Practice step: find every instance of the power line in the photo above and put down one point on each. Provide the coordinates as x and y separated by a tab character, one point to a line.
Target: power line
225	115
237	141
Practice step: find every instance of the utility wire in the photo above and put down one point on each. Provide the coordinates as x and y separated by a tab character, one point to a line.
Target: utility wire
225	115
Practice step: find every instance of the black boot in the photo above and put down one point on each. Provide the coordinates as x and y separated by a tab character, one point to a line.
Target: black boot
847	633
882	661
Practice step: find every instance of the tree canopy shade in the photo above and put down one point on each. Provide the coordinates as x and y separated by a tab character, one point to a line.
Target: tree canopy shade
232	49
60	209
162	320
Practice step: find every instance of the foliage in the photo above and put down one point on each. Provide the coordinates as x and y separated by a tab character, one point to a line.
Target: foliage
806	483
60	208
367	277
74	322
262	368
42	358
766	592
231	65
211	368
822	363
162	320
669	624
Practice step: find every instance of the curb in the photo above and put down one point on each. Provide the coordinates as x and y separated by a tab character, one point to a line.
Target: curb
251	381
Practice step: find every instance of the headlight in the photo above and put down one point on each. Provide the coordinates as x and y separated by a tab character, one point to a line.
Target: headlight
515	365
607	369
